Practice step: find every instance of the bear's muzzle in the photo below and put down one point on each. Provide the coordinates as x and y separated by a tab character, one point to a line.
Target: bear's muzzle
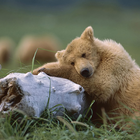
85	72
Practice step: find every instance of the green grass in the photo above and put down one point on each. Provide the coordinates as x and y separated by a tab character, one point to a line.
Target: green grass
114	23
18	126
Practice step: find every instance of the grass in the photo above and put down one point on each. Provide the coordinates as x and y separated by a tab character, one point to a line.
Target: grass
60	128
116	23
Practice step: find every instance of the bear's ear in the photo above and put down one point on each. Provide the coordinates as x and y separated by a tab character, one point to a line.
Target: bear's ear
88	34
59	54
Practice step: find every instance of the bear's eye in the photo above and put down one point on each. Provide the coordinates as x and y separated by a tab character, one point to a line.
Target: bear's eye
72	63
84	55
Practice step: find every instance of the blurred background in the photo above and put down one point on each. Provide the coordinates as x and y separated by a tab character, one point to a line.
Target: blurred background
29	22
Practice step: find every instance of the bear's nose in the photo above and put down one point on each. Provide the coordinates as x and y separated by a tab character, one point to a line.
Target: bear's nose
85	72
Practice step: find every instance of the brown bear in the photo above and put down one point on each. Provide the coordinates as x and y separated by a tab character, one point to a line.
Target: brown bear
28	45
6	49
104	69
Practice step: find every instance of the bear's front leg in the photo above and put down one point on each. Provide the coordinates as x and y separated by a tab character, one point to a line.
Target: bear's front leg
54	69
45	66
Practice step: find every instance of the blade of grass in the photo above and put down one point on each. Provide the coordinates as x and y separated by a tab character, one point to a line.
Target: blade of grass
61	105
47	50
67	124
79	117
89	108
33	60
47	107
90	116
80	123
26	127
49	95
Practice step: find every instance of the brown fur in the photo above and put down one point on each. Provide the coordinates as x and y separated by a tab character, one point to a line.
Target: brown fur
6	49
29	44
114	81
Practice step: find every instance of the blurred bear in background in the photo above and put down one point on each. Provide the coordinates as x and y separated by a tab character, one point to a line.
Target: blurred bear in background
47	47
6	49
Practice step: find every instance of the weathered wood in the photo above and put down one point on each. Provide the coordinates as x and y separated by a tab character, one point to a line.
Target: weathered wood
30	93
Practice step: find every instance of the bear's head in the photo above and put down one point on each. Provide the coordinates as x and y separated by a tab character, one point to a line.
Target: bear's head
81	53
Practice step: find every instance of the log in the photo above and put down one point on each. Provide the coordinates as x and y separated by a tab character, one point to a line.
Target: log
33	93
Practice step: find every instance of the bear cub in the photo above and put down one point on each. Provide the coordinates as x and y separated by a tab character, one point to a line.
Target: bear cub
104	69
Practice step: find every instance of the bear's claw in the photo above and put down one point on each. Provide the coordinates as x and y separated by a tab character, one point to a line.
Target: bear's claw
41	70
